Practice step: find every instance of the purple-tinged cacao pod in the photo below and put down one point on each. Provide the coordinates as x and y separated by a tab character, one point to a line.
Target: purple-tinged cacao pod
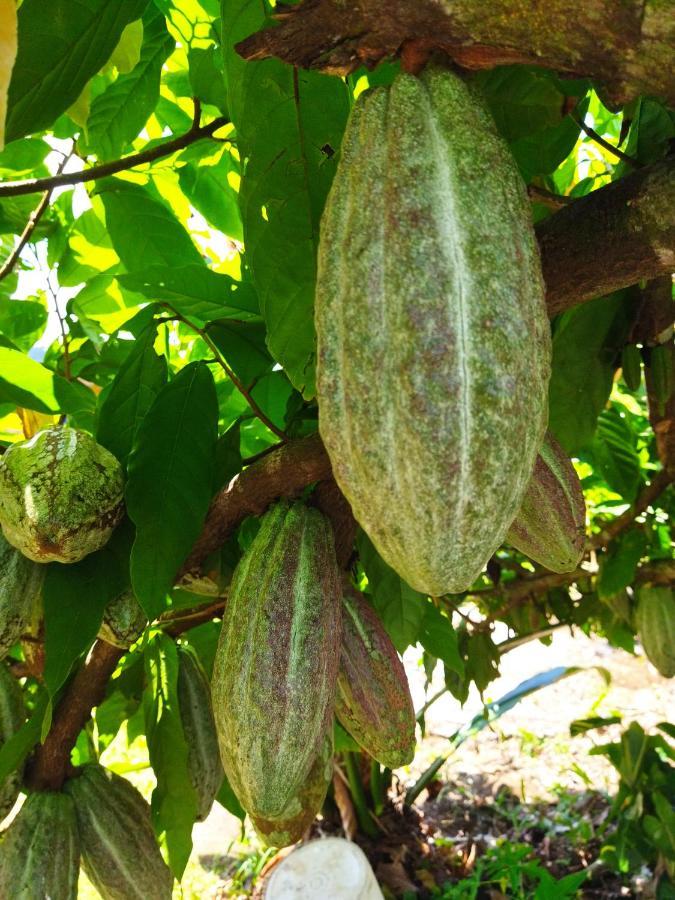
194	700
304	807
433	338
61	495
655	623
373	701
119	851
550	525
276	665
40	851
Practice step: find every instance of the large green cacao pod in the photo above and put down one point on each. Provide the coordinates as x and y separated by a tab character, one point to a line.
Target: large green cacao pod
433	339
119	851
277	660
12	717
21	583
40	851
304	806
655	623
550	525
60	495
196	713
123	621
373	701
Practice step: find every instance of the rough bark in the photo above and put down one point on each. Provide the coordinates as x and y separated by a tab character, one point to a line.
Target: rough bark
626	47
612	238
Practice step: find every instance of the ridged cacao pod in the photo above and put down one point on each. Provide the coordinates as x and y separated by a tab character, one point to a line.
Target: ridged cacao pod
196	713
550	525
21	583
61	495
12	717
119	851
433	338
277	660
304	807
40	851
373	701
655	623
123	621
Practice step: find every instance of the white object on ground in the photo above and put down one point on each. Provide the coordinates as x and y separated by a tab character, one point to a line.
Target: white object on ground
328	868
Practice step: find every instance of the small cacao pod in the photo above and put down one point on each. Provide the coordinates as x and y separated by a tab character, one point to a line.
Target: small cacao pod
119	851
21	583
123	621
373	701
304	807
61	495
196	713
550	525
631	366
433	341
655	624
40	851
12	717
277	660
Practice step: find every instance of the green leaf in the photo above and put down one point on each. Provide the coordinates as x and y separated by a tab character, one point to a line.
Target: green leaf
227	798
120	112
615	454
15	750
619	564
439	638
194	292
289	123
400	608
137	382
207	186
89	249
60	49
586	344
22	321
206	76
522	101
171	472
174	801
26	383
143	230
581	726
23	158
74	599
243	346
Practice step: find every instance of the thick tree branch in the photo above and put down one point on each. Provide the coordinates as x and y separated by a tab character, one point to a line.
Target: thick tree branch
196	133
612	238
51	761
627	46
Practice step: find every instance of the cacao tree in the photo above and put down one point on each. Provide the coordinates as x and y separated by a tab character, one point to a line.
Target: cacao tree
325	330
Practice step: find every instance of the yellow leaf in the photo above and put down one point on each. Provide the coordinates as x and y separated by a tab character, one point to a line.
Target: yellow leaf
32	421
79	111
127	53
10	428
7	57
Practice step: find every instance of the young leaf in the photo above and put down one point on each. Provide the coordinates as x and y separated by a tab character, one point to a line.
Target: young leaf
58	55
119	113
174	801
138	381
170	479
289	124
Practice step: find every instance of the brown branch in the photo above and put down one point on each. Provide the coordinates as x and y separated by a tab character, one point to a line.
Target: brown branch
50	764
196	133
331	501
177	625
625	47
548	198
655	328
601	142
284	473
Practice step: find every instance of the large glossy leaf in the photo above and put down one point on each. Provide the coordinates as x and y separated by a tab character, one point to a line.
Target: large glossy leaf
143	230
195	292
289	124
138	381
174	801
60	47
22	321
243	346
118	114
209	185
170	480
586	343
439	638
615	454
26	383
